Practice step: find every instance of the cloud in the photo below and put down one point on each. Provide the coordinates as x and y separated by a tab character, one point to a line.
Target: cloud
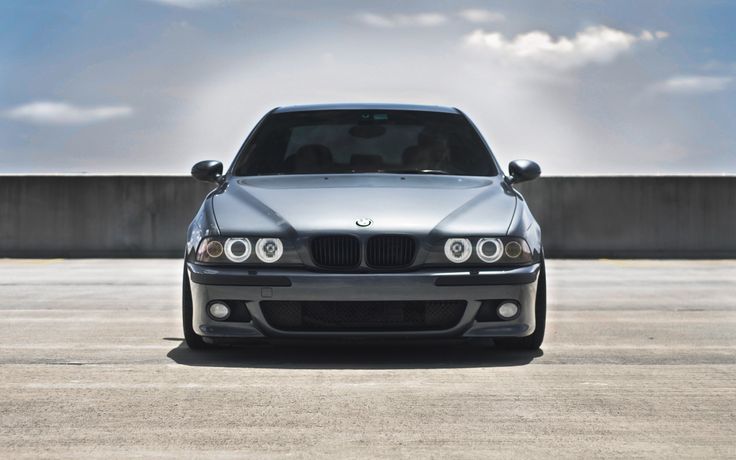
189	4
402	20
595	44
648	36
61	113
692	84
479	15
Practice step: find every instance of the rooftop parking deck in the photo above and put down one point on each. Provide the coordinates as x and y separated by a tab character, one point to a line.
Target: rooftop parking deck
640	360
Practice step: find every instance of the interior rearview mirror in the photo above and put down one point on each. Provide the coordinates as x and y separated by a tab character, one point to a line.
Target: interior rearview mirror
207	171
523	171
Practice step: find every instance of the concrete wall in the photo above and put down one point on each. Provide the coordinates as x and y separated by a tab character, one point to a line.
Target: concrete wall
138	216
96	216
659	216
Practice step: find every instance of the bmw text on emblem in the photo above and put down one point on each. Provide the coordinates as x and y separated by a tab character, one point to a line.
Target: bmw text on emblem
364	222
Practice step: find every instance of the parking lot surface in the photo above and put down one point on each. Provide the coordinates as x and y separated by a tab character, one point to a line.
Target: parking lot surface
639	361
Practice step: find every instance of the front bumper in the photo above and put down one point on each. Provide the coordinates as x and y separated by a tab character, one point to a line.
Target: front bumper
253	286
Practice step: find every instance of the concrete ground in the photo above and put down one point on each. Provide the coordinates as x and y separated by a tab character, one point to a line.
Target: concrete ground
639	361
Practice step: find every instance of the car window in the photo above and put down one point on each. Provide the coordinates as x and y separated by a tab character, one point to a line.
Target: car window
355	141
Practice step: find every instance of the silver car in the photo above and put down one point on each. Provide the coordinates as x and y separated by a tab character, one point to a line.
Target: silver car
364	220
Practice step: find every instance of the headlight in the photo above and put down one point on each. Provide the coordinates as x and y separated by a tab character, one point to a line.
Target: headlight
269	250
489	249
483	250
458	250
237	249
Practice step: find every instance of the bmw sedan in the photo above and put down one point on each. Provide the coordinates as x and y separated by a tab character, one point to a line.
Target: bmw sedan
360	221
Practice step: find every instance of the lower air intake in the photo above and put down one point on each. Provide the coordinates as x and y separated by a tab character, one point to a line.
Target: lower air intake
363	316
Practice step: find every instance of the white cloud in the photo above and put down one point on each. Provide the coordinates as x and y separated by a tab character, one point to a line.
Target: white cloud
479	15
648	36
693	84
61	113
189	4
595	44
402	20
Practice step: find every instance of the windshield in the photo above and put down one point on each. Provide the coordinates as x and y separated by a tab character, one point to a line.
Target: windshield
361	141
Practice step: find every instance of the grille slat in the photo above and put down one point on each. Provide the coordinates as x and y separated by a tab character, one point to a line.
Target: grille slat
339	251
382	251
337	316
390	251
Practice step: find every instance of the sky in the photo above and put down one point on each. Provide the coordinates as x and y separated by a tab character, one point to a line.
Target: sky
581	86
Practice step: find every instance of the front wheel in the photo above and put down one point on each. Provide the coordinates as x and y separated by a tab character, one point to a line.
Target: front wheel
533	341
194	341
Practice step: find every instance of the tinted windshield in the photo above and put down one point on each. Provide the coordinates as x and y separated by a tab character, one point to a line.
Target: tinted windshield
358	141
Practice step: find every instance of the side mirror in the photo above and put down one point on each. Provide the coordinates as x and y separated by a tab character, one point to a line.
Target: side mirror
207	171
523	170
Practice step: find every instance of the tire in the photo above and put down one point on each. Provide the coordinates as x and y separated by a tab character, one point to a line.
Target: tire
533	341
194	341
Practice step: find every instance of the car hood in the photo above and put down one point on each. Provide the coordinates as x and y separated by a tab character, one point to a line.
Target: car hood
415	204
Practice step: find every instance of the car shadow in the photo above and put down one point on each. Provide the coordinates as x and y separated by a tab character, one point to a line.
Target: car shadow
361	355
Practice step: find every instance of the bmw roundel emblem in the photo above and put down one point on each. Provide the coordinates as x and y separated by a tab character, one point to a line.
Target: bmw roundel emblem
364	222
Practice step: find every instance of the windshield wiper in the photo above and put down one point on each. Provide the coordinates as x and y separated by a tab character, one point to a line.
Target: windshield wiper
416	171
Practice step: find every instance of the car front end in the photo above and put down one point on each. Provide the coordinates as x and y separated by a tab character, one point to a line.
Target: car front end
374	298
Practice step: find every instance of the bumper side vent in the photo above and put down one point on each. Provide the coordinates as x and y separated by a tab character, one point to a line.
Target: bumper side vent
487	311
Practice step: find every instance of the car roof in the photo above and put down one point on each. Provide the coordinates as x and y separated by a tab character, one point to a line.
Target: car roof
366	106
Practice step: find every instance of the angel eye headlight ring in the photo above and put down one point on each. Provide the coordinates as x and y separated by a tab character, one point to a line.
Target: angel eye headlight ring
458	250
489	250
269	250
237	249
